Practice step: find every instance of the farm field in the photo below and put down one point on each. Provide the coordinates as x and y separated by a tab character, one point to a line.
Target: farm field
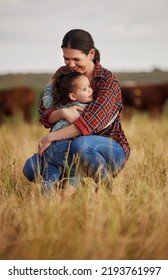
127	222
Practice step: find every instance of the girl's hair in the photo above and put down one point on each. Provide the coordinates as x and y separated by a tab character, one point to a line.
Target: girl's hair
63	85
80	40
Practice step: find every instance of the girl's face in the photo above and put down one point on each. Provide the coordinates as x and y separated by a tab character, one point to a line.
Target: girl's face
83	91
77	60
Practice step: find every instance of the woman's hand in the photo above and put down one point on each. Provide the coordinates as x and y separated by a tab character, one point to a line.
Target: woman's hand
71	114
44	143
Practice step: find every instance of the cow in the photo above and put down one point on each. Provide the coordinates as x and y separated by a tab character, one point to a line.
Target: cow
17	100
149	98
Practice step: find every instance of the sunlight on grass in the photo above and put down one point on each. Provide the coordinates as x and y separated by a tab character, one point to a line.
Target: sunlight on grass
126	221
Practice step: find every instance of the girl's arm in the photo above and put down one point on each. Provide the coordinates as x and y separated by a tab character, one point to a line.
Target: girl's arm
46	107
48	96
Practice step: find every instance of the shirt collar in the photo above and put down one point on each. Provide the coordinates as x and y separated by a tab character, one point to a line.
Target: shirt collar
98	72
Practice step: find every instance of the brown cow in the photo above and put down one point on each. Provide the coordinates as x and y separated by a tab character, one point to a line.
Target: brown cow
15	100
150	98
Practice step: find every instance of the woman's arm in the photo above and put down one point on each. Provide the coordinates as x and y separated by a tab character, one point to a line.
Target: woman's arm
48	117
70	114
105	107
70	131
96	116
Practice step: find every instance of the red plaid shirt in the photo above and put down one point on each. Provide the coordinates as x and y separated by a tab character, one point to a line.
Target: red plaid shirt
106	104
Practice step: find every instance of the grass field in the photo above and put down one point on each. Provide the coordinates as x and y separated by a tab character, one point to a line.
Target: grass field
128	222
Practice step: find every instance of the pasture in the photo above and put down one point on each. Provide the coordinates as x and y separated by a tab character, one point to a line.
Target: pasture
128	221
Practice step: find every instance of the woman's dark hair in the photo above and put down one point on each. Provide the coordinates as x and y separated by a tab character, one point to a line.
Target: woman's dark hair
63	85
80	40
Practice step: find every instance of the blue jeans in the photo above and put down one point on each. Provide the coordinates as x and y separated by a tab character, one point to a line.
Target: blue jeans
99	155
51	166
55	160
95	153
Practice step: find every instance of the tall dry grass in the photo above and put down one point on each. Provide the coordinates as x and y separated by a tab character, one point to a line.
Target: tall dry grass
127	222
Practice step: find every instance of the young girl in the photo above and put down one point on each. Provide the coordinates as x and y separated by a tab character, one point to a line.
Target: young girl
72	89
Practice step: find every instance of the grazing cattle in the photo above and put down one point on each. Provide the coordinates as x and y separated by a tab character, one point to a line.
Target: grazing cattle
17	100
150	98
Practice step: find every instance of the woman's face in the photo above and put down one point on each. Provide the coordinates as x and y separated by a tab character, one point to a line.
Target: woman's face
77	60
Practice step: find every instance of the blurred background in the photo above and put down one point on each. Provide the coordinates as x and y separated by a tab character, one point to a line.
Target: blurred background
132	37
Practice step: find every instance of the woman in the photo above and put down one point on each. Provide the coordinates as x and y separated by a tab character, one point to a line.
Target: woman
100	143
